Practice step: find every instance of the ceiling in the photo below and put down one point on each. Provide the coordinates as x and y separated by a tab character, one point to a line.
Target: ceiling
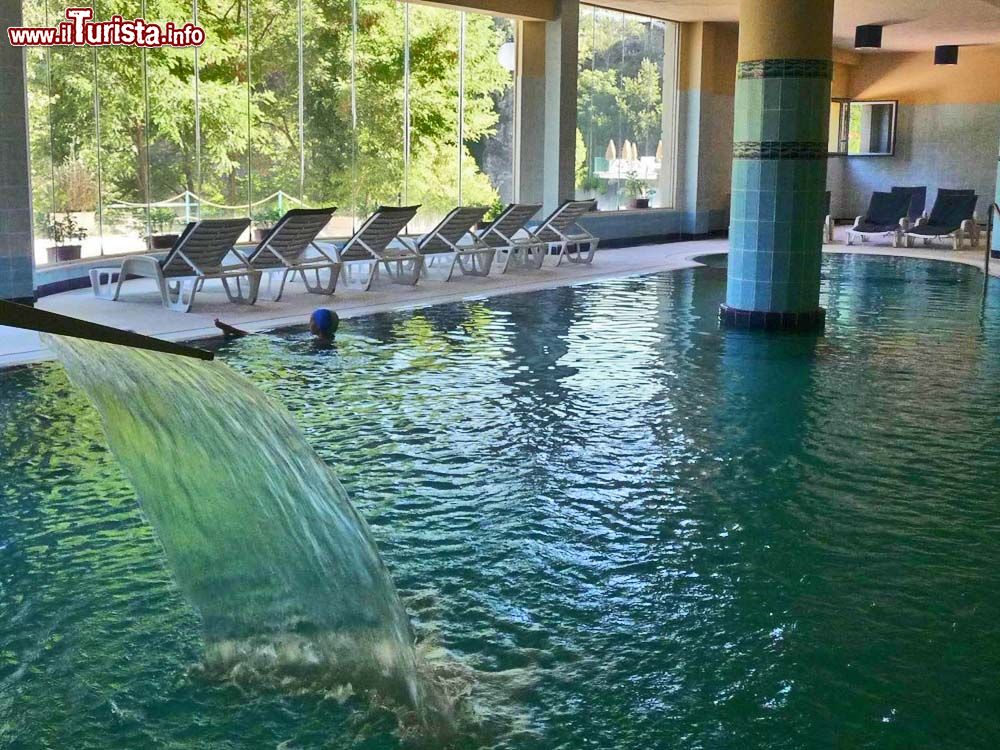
910	25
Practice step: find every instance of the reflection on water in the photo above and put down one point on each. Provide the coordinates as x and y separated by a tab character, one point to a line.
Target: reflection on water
691	537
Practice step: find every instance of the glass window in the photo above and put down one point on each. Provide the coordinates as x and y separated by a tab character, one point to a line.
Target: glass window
329	140
626	89
123	129
351	103
488	104
435	61
72	225
862	128
173	137
224	109
276	167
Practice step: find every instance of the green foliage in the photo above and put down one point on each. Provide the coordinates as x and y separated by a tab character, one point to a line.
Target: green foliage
248	143
592	183
635	187
641	103
496	208
266	217
61	230
620	85
161	219
582	160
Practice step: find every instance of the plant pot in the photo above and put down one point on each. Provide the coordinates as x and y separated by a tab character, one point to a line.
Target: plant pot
163	241
260	233
639	203
63	253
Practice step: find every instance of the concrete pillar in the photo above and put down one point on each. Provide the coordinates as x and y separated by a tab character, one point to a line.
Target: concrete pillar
705	125
530	123
780	134
16	247
547	108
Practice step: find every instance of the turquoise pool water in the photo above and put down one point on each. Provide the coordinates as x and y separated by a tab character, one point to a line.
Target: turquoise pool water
689	538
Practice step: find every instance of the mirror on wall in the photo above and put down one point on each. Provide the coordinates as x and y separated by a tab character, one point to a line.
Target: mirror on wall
862	128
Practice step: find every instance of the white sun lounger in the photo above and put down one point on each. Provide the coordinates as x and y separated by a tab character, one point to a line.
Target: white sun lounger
284	248
509	236
196	257
370	247
560	230
473	257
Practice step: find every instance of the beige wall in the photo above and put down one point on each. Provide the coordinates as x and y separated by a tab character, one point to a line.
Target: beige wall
707	83
913	78
948	125
708	57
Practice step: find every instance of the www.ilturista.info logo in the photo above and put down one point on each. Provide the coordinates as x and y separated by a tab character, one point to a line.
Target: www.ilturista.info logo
80	31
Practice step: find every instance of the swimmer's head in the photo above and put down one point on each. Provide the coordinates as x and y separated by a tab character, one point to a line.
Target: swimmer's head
323	323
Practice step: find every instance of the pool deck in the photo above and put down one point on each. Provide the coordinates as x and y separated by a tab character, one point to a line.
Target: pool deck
140	309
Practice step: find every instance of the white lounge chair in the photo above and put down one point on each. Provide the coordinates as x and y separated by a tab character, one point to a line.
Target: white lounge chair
509	236
828	219
473	258
196	257
284	248
561	231
370	247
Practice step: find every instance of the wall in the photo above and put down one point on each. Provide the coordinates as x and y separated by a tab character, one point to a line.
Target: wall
948	126
707	82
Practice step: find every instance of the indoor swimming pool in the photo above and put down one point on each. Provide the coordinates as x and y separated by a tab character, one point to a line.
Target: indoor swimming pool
636	530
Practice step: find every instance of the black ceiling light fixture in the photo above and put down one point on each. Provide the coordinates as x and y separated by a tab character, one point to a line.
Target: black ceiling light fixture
868	37
946	54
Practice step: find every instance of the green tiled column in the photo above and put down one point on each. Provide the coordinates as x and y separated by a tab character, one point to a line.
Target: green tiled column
778	198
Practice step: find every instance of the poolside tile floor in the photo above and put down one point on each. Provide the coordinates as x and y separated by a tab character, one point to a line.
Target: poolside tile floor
140	309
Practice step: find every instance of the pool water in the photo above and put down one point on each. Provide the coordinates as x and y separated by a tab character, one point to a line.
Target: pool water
689	537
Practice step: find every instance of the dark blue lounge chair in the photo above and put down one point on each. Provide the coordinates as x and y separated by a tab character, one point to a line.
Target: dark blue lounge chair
953	216
918	201
886	215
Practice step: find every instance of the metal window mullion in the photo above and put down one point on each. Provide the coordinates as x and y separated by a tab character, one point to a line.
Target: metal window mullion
406	102
249	140
354	115
149	171
302	127
100	170
461	98
197	112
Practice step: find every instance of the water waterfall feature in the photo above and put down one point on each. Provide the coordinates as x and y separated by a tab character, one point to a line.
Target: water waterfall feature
258	532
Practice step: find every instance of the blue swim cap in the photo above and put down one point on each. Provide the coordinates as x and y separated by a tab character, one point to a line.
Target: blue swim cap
324	320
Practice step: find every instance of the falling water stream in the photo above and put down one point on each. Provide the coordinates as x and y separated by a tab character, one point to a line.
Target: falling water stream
259	533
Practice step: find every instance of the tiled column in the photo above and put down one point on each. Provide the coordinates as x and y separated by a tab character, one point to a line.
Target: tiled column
995	237
16	255
779	164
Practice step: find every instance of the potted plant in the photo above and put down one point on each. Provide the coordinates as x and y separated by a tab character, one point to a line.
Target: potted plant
264	219
62	231
160	221
637	190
